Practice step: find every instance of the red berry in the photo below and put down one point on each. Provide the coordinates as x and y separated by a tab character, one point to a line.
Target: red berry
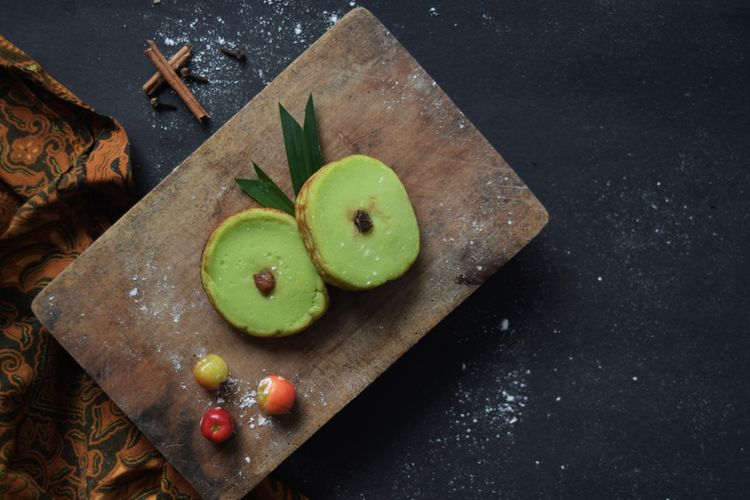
217	425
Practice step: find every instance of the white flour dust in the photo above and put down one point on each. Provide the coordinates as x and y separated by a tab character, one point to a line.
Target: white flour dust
247	400
494	410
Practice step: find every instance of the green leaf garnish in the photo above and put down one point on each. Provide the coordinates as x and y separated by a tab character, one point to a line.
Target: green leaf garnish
303	156
302	146
310	129
266	192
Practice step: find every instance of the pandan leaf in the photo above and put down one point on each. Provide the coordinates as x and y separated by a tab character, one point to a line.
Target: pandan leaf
312	144
266	192
303	156
294	143
302	146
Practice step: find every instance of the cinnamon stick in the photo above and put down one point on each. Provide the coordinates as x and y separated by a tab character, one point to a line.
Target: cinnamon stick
176	61
158	60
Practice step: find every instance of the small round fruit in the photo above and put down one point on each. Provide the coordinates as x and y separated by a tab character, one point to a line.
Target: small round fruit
211	372
357	223
257	274
217	425
276	395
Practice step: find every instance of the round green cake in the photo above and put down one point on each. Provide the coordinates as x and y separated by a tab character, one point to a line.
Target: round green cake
358	223
258	275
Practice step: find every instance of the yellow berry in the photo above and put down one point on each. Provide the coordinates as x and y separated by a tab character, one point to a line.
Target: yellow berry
211	372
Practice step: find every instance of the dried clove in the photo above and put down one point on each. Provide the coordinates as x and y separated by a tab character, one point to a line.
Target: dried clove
157	104
236	53
185	72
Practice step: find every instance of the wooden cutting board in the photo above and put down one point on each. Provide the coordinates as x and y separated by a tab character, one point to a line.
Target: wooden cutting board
132	312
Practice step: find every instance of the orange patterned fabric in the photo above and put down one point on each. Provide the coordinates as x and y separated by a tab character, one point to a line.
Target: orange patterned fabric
64	178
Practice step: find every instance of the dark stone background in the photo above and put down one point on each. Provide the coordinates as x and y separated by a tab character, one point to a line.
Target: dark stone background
624	370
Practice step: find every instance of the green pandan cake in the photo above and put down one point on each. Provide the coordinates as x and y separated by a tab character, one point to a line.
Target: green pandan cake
258	275
357	223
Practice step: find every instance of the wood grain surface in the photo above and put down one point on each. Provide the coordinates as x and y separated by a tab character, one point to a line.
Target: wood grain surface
132	312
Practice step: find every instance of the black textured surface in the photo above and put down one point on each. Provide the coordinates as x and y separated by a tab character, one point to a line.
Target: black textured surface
624	368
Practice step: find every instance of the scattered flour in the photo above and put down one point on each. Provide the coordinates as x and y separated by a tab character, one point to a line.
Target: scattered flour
332	18
200	352
176	359
247	400
177	309
482	417
485	411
